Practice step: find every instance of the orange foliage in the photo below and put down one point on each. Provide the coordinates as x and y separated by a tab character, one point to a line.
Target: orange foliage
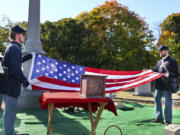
94	26
166	33
172	33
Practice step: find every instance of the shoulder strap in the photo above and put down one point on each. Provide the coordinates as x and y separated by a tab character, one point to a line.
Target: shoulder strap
164	66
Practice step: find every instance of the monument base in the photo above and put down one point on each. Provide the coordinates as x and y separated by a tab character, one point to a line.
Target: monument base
172	129
29	99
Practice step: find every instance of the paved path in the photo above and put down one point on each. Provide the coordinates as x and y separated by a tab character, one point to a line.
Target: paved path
128	96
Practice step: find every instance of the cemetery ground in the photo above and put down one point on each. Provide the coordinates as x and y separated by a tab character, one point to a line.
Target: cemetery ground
134	116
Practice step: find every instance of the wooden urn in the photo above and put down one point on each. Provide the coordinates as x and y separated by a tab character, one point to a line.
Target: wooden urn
92	86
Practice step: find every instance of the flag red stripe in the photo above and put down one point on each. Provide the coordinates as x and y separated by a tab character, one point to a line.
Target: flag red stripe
68	84
115	81
136	80
133	86
109	91
57	82
111	72
128	79
63	83
120	80
107	85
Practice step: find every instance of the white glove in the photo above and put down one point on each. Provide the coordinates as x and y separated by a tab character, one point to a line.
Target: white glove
29	87
166	75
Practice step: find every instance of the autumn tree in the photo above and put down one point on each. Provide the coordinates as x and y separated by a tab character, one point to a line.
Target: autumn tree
5	25
118	38
63	39
110	37
170	35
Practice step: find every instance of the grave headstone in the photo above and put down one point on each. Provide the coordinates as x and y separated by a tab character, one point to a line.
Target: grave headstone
143	90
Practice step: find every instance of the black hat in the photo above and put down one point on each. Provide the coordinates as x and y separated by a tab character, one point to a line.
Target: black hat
18	29
163	47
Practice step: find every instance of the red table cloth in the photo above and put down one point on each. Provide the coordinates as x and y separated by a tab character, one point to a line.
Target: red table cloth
74	99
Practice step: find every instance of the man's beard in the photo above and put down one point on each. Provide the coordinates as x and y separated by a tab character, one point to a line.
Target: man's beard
22	42
163	55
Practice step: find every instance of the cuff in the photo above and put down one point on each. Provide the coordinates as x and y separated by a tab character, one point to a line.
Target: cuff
166	75
25	84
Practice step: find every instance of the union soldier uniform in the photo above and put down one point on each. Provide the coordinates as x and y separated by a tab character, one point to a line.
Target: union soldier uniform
11	86
172	67
169	66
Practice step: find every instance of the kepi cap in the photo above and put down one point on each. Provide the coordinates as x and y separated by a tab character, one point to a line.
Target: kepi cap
163	47
18	29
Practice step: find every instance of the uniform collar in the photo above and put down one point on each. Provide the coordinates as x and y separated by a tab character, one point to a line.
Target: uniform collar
16	43
164	58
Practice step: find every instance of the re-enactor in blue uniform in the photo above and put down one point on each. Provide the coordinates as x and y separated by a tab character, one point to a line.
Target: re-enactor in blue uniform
169	66
11	86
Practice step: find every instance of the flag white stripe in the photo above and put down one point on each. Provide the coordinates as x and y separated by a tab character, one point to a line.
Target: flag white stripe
129	80
120	82
119	76
129	85
32	67
45	85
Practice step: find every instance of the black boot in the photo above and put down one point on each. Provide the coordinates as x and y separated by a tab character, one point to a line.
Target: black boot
70	110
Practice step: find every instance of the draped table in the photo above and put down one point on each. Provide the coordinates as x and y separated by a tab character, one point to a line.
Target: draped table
50	100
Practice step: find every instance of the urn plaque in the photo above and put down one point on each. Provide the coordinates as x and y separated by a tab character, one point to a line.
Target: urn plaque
92	86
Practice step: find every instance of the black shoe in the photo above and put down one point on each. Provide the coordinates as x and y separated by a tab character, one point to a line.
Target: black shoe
158	121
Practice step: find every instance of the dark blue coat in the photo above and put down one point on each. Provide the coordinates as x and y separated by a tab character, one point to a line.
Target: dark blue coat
172	67
13	60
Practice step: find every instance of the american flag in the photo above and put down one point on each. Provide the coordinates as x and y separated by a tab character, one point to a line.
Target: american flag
53	75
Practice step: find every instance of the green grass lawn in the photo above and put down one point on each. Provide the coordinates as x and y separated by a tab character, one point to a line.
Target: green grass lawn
133	119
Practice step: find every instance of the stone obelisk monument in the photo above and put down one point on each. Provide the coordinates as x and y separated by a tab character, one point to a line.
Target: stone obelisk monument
33	43
29	99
